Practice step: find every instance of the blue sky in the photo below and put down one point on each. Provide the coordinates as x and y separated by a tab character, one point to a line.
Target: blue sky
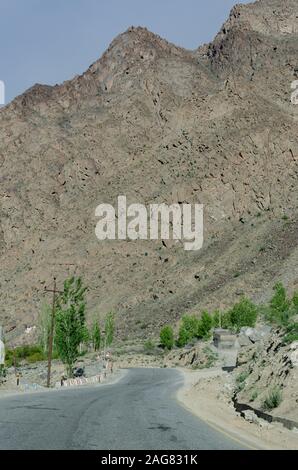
49	41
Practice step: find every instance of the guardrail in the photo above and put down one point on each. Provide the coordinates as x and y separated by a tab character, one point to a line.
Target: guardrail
83	380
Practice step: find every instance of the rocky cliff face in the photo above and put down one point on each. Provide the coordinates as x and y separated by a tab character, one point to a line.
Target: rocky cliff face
159	124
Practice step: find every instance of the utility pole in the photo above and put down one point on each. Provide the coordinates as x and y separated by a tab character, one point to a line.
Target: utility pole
51	337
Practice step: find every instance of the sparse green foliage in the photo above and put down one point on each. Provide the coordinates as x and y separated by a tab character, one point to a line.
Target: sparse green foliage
291	333
188	329
2	371
27	353
273	399
211	356
96	336
167	337
204	326
226	319
183	337
244	313
216	319
295	303
70	329
279	303
242	376
281	309
149	346
253	396
109	329
240	380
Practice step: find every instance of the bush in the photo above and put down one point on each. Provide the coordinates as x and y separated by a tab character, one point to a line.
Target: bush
242	314
226	320
149	346
211	357
240	380
273	400
28	353
167	337
279	306
96	336
242	377
188	330
216	317
183	337
295	302
253	396
204	326
36	357
291	334
109	328
279	302
281	309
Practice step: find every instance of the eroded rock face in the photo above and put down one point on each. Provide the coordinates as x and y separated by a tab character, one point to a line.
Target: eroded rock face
294	353
159	124
266	366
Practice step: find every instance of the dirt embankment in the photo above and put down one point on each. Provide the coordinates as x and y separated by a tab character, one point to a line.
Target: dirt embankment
207	393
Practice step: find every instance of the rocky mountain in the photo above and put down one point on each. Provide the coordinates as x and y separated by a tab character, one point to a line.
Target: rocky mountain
157	123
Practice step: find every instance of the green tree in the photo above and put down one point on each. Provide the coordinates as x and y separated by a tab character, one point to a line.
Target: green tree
167	337
70	329
216	319
183	337
244	313
205	325
279	305
109	328
188	329
96	335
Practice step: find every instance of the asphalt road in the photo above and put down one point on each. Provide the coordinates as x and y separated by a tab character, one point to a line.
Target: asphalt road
138	412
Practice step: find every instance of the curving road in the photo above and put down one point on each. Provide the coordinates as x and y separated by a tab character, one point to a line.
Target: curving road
138	412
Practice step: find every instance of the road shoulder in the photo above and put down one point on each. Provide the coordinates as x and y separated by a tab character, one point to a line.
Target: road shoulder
207	394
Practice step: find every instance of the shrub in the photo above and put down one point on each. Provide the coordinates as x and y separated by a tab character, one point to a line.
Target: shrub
281	309
36	357
3	372
188	329
148	346
291	334
211	357
226	320
240	380
216	317
273	400
243	313
204	326
167	337
253	396
242	376
295	302
96	336
183	337
109	328
29	353
279	305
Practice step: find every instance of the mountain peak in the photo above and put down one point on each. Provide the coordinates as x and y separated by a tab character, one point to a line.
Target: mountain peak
265	17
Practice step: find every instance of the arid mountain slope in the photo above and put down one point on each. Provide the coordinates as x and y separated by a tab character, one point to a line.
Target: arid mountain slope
159	124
